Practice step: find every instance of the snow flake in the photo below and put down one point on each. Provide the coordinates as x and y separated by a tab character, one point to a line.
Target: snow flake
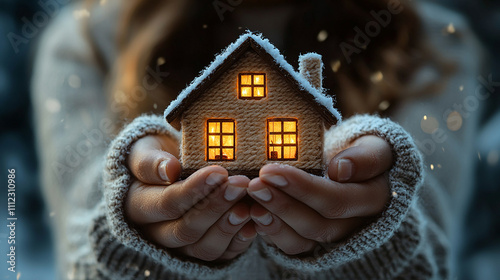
429	124
377	77
52	105
160	61
384	105
335	65
454	121
450	28
147	273
322	35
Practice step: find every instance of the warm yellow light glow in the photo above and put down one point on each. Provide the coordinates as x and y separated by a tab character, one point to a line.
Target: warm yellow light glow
227	140
214	127
214	140
276	126
213	153
252	86
275	139
258	79
275	153
227	127
227	153
221	139
282	139
290	138
289	152
259	91
246	91
246	79
289	126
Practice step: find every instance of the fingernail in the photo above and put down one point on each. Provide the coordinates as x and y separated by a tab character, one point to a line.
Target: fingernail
263	194
162	170
267	219
232	192
235	220
344	168
277	180
215	179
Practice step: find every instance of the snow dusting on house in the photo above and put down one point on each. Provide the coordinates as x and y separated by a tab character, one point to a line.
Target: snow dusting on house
264	43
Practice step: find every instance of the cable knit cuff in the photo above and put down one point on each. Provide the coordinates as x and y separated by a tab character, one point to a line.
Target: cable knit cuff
386	245
119	247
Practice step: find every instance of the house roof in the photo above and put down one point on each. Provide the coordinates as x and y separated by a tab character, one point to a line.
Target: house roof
267	51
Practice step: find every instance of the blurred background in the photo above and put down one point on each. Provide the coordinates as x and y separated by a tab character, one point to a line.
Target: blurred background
34	254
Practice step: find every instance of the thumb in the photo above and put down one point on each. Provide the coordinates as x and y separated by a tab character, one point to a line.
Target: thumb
368	157
150	164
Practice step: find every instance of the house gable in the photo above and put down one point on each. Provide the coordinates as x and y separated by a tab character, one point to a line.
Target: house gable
267	52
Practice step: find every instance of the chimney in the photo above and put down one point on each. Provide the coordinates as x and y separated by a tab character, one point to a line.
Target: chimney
311	67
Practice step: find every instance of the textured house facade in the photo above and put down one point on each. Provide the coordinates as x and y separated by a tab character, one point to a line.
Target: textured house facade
249	111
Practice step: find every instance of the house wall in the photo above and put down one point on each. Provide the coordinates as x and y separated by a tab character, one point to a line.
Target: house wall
221	101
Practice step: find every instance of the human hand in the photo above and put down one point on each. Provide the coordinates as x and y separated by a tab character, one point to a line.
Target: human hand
200	217
297	210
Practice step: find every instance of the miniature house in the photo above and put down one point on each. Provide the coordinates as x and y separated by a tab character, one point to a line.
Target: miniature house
250	108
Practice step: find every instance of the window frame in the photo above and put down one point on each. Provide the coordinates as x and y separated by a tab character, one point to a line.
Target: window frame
282	133
220	134
252	86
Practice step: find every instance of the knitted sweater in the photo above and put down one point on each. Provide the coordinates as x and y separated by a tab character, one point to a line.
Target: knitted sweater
85	178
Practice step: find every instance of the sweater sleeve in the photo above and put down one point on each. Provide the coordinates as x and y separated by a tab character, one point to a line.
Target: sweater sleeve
120	249
400	242
84	176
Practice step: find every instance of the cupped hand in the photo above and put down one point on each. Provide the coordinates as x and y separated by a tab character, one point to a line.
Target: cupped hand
297	210
200	217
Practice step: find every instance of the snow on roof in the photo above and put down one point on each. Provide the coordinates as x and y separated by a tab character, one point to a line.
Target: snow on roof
319	96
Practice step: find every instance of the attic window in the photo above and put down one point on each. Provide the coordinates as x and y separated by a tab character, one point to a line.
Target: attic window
251	85
220	139
282	139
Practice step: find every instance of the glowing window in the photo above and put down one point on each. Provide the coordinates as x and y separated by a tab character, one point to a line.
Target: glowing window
252	85
220	140
282	139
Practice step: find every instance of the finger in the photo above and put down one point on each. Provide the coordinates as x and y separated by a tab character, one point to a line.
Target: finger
217	239
241	241
329	198
301	218
150	203
282	235
151	164
210	209
368	157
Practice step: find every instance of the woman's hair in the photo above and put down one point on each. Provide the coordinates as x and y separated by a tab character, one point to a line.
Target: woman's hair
176	39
